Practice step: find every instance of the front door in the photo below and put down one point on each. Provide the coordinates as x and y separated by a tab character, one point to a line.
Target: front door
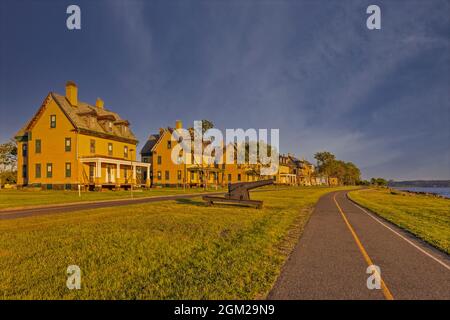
91	172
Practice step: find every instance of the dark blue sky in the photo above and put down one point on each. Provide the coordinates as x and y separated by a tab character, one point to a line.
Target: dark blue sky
310	68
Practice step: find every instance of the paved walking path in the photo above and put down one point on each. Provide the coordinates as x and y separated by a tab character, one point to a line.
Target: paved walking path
341	240
27	212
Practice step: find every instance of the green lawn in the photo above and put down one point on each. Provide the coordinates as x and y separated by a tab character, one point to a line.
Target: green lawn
425	216
24	198
166	250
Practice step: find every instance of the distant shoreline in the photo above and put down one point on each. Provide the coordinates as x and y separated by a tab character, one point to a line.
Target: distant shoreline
420	184
439	192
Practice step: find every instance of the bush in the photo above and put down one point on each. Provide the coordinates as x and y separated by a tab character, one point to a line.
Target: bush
8	177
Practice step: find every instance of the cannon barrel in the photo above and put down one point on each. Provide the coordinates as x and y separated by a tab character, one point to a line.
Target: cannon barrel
238	193
249	185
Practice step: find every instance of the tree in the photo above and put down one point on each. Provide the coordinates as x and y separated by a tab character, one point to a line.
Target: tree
8	177
323	158
352	174
206	124
378	182
346	172
8	162
8	156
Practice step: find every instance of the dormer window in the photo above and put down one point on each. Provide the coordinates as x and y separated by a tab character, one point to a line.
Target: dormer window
109	125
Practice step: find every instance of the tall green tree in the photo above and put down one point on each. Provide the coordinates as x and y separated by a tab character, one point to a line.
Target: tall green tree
323	159
347	172
378	182
206	125
8	156
8	162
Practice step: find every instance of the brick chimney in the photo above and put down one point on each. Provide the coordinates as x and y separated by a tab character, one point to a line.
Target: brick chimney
72	93
178	124
99	103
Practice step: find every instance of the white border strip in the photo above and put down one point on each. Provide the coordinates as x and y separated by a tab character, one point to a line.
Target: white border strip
404	238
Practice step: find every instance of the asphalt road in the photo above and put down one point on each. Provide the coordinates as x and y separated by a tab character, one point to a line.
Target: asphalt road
27	212
341	240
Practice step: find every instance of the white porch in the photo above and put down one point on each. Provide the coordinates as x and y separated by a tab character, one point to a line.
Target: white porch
108	171
288	178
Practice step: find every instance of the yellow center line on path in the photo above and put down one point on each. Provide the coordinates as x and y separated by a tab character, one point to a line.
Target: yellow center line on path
387	294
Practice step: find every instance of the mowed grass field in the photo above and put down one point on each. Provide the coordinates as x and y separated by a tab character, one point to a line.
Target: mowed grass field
426	217
165	250
26	198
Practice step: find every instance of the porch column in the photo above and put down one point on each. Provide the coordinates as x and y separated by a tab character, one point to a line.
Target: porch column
117	182
147	181
99	168
98	172
134	174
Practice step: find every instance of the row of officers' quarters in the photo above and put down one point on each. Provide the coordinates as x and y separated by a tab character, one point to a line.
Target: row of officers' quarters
69	143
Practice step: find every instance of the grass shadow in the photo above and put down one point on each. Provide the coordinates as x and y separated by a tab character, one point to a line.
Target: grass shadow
201	203
198	203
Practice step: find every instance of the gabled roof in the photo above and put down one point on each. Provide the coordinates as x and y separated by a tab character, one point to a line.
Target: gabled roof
154	139
151	142
87	119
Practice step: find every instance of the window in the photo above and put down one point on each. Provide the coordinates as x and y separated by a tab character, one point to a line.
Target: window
109	125
239	177
169	144
125	152
24	171
192	175
180	157
53	121
167	175
179	175
110	149
159	175
49	170
68	170
229	177
37	146
37	173
92	146
68	144
159	160
24	150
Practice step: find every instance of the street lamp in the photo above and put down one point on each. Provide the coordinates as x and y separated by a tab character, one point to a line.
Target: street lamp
132	172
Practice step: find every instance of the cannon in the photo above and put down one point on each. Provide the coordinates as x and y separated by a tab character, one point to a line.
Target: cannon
238	194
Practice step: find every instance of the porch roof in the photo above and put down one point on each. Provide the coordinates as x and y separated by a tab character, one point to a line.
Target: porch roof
114	161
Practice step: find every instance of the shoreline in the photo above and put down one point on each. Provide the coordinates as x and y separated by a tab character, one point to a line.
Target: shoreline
424	193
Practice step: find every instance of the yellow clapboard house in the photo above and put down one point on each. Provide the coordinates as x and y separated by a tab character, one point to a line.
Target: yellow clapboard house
165	172
69	143
286	171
